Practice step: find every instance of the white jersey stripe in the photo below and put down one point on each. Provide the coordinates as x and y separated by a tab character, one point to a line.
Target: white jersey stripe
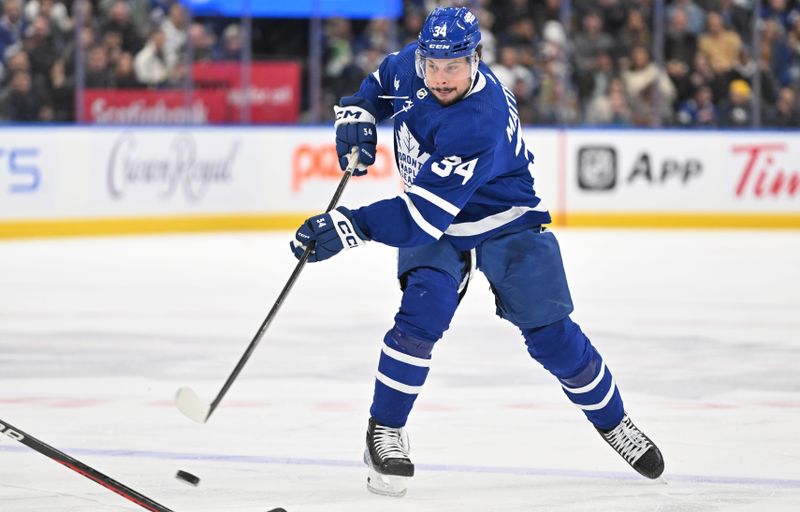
405	358
419	219
492	221
433	198
398	386
602	403
377	77
591	385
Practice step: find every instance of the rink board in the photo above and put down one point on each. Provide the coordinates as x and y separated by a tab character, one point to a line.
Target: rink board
114	180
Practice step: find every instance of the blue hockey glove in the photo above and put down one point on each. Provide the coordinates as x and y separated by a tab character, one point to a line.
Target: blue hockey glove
355	127
332	232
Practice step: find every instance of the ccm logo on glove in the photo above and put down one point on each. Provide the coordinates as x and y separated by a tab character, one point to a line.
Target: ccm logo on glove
331	233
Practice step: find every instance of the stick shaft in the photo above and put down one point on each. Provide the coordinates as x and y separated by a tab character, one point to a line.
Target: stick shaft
284	293
79	467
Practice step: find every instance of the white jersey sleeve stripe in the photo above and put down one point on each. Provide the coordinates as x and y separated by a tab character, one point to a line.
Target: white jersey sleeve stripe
405	358
433	198
591	385
399	386
377	77
492	221
423	224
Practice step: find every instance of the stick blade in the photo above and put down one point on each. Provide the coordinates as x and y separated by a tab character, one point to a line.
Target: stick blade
191	405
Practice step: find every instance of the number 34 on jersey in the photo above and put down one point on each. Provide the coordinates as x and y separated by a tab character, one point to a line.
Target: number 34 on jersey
453	165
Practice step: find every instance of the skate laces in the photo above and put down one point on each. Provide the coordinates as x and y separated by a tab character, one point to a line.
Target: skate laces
390	443
628	440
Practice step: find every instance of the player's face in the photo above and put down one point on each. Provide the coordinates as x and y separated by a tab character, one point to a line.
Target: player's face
448	79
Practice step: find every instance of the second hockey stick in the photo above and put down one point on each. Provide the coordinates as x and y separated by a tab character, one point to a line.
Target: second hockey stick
187	401
79	467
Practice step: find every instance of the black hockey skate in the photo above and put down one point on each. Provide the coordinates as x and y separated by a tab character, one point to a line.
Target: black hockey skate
387	458
636	448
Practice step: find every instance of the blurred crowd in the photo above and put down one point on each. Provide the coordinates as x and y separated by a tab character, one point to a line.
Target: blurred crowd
126	44
598	68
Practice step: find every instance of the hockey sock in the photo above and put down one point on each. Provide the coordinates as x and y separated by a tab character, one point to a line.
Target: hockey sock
429	300
567	353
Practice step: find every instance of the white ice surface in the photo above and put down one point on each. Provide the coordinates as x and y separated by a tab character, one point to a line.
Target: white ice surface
701	329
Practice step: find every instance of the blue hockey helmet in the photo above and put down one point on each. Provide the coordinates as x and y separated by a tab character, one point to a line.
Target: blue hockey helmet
448	33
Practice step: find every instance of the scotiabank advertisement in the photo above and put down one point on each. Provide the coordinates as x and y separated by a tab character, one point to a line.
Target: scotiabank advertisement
217	97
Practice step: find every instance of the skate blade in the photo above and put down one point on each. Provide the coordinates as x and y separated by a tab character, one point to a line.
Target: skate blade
387	485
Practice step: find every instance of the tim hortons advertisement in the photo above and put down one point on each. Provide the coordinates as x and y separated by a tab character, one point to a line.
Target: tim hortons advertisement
217	97
683	171
765	172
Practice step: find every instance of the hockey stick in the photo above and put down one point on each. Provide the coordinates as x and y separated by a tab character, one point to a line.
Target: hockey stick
79	467
187	401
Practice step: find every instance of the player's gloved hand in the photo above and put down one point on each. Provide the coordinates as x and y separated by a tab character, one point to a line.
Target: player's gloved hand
332	232
355	127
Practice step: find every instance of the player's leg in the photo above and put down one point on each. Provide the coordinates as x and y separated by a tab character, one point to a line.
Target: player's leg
527	276
430	278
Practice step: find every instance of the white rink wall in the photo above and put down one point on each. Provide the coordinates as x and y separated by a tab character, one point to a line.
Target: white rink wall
104	180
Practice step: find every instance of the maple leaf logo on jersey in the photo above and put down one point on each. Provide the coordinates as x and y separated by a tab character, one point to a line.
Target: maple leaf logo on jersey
409	155
396	83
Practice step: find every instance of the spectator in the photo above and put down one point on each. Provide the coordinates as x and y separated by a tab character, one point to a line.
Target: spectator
786	113
112	42
720	45
588	43
97	75
17	61
60	91
544	12
202	42
643	81
124	76
776	54
778	11
696	18
11	26
55	12
736	110
680	45
174	28
379	35
155	65
40	46
119	20
19	101
634	33
699	110
736	16
231	45
612	108
137	12
509	71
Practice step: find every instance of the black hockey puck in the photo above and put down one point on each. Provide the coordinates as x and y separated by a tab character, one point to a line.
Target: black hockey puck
187	477
279	509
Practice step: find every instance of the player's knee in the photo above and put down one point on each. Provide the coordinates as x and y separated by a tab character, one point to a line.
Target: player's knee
561	347
402	342
429	301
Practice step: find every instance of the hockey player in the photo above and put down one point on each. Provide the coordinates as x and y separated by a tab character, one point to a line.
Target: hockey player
468	202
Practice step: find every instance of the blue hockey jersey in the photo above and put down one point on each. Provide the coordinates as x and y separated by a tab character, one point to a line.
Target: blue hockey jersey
465	166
